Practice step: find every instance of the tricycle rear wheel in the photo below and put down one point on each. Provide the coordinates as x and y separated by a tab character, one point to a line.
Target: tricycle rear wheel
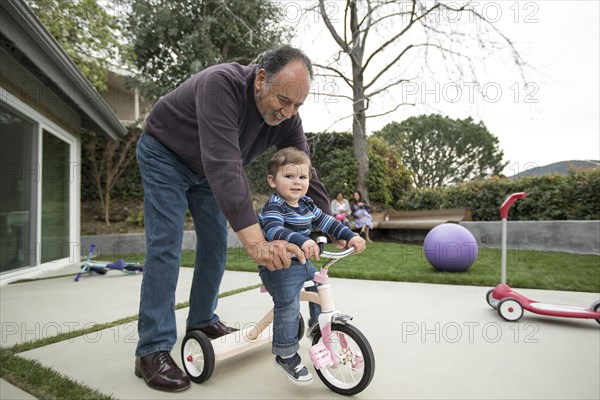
197	356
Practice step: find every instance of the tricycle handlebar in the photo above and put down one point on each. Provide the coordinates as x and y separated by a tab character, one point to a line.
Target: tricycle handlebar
339	254
321	240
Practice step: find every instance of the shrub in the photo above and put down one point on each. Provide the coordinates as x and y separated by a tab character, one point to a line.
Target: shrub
549	197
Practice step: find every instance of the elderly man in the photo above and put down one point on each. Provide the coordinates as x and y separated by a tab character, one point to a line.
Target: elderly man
191	155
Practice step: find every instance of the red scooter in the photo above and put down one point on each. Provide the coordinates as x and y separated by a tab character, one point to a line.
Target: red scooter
510	304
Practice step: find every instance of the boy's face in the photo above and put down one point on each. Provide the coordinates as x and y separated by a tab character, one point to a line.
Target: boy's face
291	182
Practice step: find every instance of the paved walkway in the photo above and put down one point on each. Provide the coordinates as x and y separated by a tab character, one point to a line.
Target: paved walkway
430	341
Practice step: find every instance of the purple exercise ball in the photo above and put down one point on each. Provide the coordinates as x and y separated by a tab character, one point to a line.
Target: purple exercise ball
450	247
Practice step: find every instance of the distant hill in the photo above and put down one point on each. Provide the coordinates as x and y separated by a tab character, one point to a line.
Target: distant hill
561	168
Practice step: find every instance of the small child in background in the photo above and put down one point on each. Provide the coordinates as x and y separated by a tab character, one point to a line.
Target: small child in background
290	215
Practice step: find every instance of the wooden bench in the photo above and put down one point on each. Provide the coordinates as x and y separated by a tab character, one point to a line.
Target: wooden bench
423	220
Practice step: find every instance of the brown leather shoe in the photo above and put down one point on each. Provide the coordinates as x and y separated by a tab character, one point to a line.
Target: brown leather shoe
213	331
160	372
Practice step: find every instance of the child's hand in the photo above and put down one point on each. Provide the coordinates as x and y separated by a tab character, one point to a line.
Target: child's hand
358	243
310	249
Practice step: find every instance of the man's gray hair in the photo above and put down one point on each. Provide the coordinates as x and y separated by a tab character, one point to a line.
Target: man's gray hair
272	61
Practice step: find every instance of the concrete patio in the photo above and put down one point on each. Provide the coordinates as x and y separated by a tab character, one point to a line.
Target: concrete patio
430	341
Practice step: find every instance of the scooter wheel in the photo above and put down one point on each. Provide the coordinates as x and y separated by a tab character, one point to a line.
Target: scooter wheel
197	356
596	307
490	299
510	309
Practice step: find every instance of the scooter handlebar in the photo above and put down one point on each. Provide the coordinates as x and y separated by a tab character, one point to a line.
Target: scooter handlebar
509	202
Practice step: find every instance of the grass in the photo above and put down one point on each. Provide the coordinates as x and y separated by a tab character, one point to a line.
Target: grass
45	383
42	382
406	263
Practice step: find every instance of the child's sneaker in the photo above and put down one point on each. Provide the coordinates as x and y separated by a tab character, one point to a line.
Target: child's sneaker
294	369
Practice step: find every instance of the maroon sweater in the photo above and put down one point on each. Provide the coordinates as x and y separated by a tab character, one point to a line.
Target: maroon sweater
211	122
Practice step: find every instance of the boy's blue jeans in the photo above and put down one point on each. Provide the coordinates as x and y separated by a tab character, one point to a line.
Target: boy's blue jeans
284	286
170	188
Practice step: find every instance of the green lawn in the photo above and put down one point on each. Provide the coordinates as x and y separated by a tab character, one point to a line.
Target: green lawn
406	263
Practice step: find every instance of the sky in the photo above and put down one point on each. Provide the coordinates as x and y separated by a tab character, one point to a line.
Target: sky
554	118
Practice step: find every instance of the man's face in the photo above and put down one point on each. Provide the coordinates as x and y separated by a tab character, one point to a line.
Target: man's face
280	98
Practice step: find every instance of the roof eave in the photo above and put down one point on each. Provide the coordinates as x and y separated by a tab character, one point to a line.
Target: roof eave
31	37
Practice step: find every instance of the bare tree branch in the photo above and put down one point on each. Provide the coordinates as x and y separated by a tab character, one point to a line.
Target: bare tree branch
402	32
390	111
337	72
392	63
343	45
387	87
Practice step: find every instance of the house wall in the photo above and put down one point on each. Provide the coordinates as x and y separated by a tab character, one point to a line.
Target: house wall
24	86
124	101
23	93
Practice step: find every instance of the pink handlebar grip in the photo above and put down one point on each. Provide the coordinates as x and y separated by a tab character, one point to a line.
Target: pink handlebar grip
509	202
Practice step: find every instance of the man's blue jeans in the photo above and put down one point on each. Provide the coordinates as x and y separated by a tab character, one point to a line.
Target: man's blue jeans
170	188
284	286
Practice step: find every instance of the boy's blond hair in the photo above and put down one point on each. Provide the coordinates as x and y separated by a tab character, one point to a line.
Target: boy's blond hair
287	156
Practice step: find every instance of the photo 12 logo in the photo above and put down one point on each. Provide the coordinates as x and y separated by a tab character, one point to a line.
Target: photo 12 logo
454	92
89	331
469	332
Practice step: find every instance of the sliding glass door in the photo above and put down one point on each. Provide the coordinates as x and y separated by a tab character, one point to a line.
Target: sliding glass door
56	180
38	192
18	180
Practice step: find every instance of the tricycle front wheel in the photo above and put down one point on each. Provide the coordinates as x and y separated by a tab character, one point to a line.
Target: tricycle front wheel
354	358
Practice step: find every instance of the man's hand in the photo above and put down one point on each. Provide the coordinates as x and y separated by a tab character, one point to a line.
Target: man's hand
311	249
358	243
274	255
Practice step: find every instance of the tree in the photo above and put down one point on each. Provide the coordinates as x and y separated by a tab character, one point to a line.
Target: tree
173	39
389	180
87	32
332	157
442	151
409	34
90	34
107	161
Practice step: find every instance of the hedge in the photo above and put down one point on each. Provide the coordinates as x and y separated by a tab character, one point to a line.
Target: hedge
575	196
550	197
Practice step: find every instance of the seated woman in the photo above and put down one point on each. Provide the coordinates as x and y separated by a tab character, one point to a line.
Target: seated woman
362	218
340	208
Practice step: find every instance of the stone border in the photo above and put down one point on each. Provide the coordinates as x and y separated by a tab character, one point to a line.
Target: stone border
580	237
130	243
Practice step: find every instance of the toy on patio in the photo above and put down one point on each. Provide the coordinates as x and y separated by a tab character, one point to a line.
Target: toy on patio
450	247
340	353
102	268
510	304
